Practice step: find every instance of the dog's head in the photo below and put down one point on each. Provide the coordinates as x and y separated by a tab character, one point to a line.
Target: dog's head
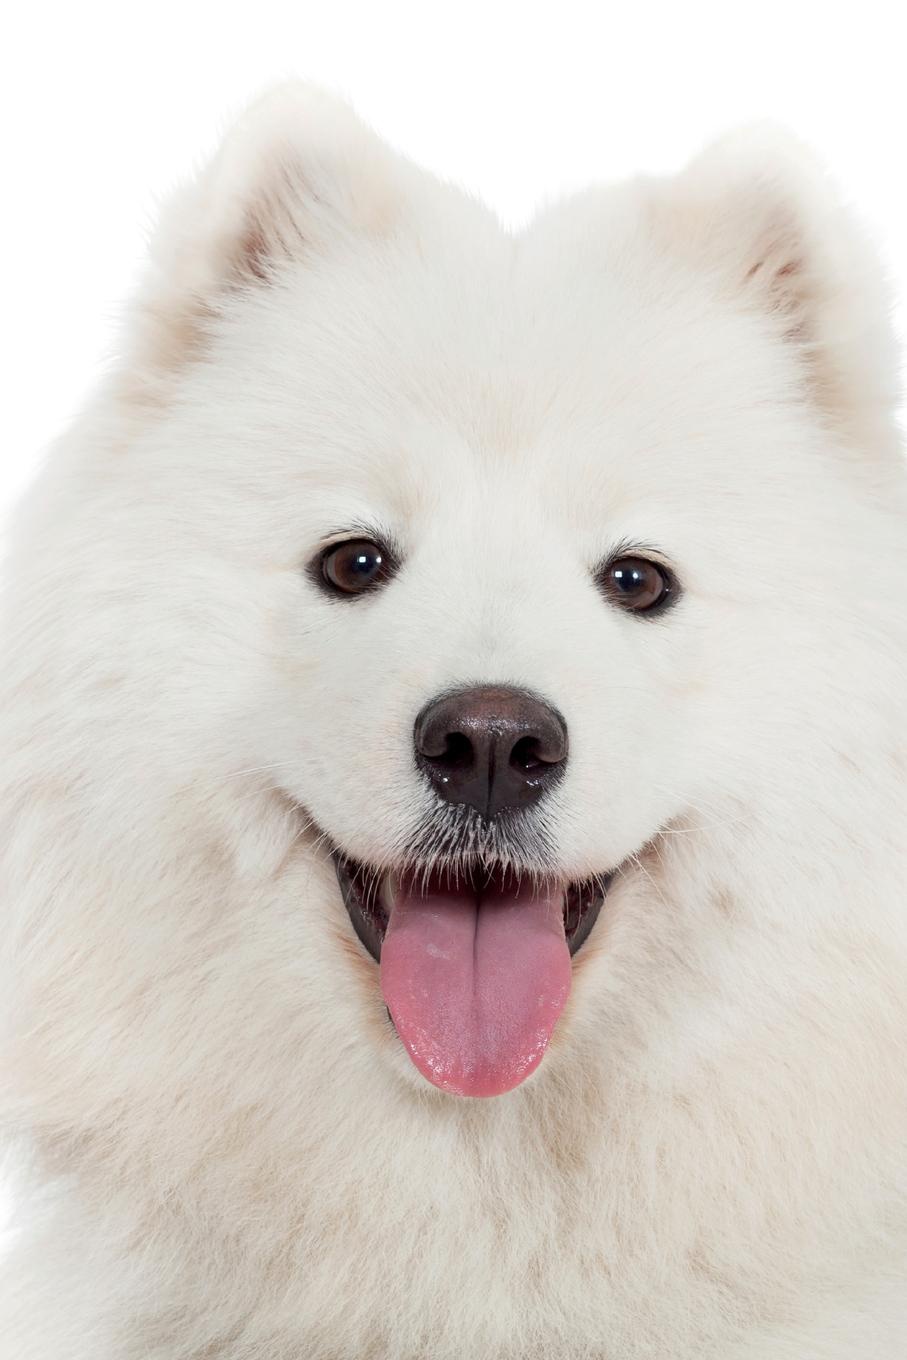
496	559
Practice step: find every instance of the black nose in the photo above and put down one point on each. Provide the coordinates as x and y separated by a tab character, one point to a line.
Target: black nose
492	747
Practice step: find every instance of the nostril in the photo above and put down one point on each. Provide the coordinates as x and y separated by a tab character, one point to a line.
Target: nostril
457	753
527	757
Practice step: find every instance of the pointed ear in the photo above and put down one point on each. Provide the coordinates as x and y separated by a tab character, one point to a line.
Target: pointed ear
758	210
298	171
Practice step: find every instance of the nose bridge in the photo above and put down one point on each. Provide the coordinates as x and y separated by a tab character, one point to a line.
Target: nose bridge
499	617
502	613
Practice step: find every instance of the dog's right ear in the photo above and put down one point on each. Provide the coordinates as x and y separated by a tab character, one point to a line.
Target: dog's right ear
296	172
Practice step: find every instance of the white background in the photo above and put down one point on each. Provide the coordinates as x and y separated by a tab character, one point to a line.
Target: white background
104	106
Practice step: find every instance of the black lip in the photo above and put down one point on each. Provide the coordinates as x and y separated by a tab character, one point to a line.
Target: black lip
360	888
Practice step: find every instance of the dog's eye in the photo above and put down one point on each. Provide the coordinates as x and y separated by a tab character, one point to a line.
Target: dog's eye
353	567
636	584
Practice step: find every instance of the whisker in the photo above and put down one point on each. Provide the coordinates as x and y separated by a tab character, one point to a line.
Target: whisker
634	858
260	769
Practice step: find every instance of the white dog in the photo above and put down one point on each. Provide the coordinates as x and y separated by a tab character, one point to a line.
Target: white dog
445	664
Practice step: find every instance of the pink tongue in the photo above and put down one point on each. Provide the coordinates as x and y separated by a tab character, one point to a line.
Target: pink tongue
475	988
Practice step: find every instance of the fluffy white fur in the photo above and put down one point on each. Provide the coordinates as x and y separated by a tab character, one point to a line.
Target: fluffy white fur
230	1154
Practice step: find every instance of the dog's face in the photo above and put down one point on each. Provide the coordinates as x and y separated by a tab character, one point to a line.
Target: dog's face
499	556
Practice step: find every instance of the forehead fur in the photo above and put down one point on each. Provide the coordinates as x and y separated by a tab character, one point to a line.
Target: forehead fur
341	314
417	271
400	380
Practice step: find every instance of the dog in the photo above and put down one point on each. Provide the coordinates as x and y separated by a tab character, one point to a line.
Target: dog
453	779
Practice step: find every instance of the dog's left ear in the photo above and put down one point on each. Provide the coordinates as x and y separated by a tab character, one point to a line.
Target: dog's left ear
758	211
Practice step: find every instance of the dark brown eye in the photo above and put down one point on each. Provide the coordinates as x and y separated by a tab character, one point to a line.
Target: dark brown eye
353	567
636	584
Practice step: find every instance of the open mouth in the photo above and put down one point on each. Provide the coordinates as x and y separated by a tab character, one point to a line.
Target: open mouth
475	968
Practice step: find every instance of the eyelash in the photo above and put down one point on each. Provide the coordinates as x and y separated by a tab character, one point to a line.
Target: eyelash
630	552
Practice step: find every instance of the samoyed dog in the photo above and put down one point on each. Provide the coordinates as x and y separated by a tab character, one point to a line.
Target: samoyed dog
452	781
